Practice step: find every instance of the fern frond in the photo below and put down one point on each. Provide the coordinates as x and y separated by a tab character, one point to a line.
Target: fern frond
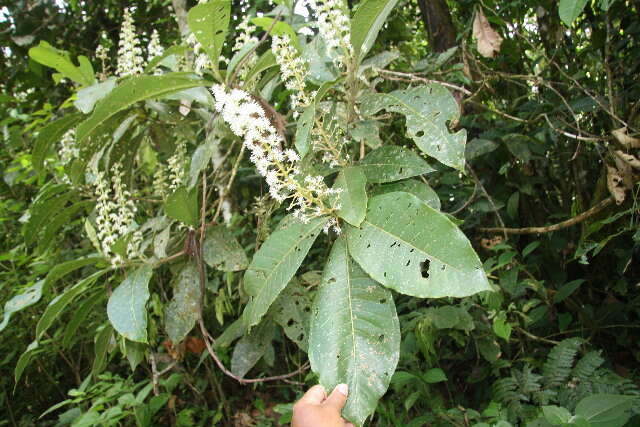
557	369
587	366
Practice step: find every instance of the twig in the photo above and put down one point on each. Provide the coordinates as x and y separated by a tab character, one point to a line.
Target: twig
234	171
169	258
571	331
535	337
559	226
570	135
468	201
489	198
413	77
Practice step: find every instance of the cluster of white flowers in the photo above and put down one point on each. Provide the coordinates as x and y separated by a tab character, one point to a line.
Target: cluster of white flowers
294	72
334	26
115	214
176	164
102	53
160	185
130	61
68	148
201	62
247	119
155	48
330	144
245	35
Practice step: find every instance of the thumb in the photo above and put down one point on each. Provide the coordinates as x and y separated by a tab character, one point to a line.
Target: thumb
338	397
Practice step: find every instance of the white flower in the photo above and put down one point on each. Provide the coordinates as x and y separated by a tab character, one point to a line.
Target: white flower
334	26
130	59
176	166
68	148
155	48
294	70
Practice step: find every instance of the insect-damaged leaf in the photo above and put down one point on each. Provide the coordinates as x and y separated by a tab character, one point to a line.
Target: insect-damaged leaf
251	347
275	263
126	306
221	250
355	334
391	163
209	23
408	246
182	312
427	108
291	311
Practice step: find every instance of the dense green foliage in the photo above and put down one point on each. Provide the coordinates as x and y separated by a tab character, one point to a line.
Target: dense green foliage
429	292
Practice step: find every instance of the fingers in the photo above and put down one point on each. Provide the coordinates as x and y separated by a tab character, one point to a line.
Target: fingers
338	397
314	396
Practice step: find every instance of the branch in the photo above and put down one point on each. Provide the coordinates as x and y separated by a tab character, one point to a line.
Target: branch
559	226
413	77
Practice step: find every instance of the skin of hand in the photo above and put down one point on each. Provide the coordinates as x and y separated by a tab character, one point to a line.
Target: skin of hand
315	409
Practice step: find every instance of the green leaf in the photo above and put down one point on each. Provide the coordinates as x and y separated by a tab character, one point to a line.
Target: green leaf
126	306
366	24
101	347
24	360
291	311
410	247
182	205
88	96
606	410
58	220
304	125
134	89
566	290
569	10
209	23
221	250
47	55
434	375
501	327
367	131
355	334
251	347
79	316
181	313
266	61
418	188
391	163
50	135
179	50
275	263
556	415
28	297
61	270
59	303
281	28
353	198
427	109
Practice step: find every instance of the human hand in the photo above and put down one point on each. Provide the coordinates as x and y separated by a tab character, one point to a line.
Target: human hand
315	409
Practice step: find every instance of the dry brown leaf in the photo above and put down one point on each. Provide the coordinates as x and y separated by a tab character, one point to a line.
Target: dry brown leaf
629	159
615	183
489	40
623	138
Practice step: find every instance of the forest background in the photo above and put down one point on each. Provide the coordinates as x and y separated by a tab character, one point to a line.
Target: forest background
549	97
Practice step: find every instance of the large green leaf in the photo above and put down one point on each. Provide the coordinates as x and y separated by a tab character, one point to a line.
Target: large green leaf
606	410
88	96
101	348
353	198
569	10
275	263
126	306
48	55
59	303
355	334
49	135
392	163
408	246
182	205
251	347
134	89
366	24
418	188
291	311
28	297
221	250
209	23
182	312
24	360
79	316
427	109
304	125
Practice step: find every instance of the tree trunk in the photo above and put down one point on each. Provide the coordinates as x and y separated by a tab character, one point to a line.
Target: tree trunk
437	21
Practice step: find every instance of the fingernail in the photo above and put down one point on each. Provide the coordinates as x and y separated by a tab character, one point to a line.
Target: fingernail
343	388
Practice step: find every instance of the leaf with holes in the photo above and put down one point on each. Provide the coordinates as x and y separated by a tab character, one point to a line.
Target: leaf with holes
126	306
427	108
181	313
275	263
353	198
412	248
355	334
221	250
251	347
391	163
291	311
209	23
